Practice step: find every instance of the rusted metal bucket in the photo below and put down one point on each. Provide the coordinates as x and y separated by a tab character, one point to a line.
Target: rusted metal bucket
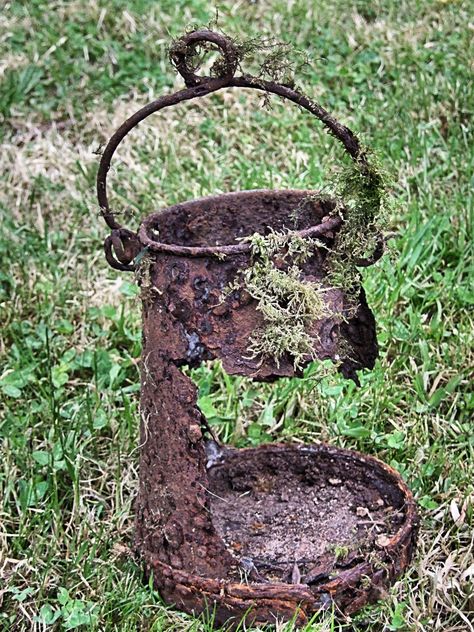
275	531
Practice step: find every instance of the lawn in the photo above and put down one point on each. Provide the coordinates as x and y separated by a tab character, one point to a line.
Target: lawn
397	72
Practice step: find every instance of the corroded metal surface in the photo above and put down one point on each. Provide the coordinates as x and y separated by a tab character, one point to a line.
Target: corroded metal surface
348	590
210	322
186	257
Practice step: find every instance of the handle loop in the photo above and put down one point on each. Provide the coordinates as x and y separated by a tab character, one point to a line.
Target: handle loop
182	54
184	49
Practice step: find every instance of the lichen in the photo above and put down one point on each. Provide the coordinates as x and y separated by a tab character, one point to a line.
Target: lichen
143	267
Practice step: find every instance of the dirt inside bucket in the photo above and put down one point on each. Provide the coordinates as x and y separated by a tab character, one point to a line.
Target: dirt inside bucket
302	517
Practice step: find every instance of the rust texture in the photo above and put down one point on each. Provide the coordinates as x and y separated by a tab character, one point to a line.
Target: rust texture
211	323
231	597
185	257
176	534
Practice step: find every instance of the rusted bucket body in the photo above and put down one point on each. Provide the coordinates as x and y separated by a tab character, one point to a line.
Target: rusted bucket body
273	532
193	494
215	322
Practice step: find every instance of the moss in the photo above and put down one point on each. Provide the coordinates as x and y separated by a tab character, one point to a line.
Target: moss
268	57
362	190
288	303
341	551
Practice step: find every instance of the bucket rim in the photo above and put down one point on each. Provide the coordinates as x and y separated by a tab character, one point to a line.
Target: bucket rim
329	224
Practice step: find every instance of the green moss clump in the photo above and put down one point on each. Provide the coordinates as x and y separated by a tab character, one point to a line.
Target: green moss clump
362	189
288	303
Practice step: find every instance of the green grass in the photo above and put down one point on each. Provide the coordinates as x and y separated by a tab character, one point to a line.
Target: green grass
70	72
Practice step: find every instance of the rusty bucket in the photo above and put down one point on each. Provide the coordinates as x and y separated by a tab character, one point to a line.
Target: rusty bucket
273	532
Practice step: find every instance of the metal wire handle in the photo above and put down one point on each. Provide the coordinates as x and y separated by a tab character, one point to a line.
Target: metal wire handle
199	86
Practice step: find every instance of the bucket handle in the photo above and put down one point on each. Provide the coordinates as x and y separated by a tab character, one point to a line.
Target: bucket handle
124	241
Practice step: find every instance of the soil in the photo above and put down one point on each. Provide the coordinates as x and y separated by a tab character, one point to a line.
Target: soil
299	520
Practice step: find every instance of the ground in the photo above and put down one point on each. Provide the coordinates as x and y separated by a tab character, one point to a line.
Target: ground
397	72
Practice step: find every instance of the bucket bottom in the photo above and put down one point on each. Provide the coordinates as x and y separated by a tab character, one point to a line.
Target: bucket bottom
313	527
